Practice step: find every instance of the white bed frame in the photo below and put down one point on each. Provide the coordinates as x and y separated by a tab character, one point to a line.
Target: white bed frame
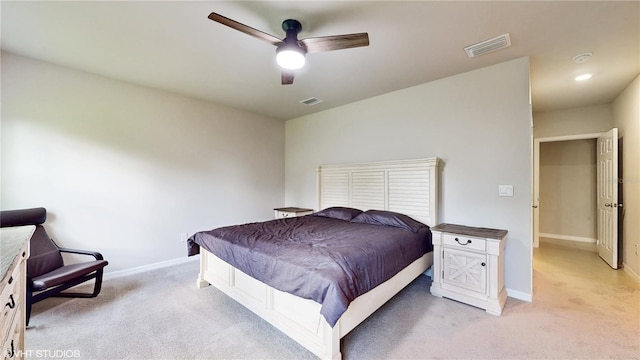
407	186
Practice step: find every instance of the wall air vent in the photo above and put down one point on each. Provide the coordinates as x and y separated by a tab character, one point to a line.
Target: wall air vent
311	101
487	46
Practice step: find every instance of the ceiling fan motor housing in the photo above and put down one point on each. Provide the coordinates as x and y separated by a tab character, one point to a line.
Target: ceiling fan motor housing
291	25
292	28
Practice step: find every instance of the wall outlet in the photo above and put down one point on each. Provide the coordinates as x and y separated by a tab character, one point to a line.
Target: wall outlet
183	237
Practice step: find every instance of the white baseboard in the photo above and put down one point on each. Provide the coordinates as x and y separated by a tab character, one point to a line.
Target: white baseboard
148	267
519	295
569	238
586	246
632	274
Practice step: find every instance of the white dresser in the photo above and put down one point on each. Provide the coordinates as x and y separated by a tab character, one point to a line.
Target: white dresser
468	265
285	212
14	251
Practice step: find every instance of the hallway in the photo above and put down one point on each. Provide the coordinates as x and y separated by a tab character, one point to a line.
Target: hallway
579	281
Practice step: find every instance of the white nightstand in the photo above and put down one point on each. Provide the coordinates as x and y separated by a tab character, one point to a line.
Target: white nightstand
287	212
468	265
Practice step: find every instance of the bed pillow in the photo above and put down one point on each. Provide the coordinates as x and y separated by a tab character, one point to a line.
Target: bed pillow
337	212
388	218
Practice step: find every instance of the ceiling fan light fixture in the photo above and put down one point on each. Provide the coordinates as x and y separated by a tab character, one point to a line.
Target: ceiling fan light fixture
290	57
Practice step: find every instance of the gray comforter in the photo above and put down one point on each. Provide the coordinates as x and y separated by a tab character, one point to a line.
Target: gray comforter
328	260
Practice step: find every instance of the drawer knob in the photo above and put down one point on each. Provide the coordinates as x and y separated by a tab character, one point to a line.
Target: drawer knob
12	303
483	264
467	243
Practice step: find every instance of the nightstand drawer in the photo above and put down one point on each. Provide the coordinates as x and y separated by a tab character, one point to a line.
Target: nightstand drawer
464	242
287	212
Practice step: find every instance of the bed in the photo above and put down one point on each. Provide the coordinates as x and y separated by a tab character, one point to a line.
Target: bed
386	196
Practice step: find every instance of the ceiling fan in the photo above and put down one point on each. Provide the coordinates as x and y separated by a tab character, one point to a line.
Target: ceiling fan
290	52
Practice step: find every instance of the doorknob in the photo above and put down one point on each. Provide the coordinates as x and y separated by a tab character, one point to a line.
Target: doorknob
607	205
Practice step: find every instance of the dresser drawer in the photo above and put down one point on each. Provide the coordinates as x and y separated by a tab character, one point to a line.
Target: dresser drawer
10	300
12	348
464	242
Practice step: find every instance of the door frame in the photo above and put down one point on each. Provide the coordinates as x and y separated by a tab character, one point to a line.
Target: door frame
536	175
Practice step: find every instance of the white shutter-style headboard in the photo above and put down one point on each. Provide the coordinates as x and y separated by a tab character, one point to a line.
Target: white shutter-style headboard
409	187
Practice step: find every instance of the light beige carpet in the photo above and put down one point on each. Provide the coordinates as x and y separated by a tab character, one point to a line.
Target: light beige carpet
581	310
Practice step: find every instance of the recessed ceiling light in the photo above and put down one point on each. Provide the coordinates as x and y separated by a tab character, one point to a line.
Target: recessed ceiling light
582	58
583	77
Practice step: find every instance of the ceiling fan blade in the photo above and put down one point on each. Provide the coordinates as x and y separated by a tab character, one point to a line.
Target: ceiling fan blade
245	29
287	77
336	42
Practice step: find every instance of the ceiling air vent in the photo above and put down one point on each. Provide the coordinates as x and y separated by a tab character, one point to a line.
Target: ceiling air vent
487	46
311	101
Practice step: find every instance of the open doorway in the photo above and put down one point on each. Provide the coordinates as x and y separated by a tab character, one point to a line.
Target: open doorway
568	194
536	171
569	203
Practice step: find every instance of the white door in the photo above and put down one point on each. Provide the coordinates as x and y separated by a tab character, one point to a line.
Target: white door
607	181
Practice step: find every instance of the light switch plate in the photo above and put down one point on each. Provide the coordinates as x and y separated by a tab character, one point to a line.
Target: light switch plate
505	190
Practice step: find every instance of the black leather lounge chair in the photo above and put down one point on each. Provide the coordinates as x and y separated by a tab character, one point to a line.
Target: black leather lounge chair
47	274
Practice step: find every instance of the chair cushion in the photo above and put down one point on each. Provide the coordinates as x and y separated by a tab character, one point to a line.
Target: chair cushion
35	216
45	255
66	273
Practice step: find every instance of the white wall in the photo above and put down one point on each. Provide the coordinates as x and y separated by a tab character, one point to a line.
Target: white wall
626	115
568	190
583	120
124	169
478	123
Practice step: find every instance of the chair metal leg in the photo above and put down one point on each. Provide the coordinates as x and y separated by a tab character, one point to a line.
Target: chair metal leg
59	291
29	302
96	288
